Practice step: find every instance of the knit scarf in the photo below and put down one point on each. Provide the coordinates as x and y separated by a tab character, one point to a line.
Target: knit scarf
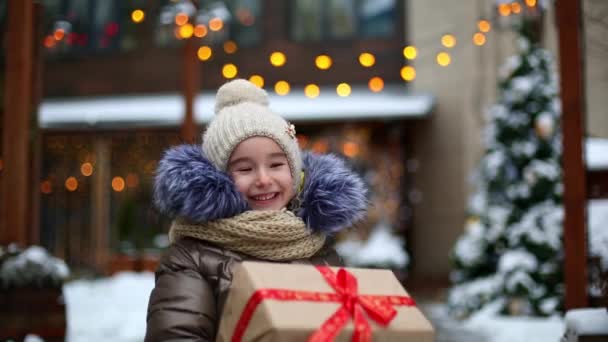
270	235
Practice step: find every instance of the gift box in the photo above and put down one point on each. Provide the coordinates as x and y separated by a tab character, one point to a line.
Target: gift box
289	302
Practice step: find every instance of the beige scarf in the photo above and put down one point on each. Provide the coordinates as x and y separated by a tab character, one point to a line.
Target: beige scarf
270	235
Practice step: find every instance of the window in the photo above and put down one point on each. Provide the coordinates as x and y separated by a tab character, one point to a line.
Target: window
316	20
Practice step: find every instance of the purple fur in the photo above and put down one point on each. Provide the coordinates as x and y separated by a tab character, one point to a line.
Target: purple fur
188	185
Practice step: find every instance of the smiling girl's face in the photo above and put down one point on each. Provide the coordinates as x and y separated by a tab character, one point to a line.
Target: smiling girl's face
261	173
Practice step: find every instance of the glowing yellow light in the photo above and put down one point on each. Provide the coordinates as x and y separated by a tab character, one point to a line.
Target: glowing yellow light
277	59
350	149
204	53
479	39
367	59
312	91
46	187
515	7
186	31
118	184
504	10
132	180
59	34
49	42
410	52
229	70
484	26
323	62
86	169
200	30
181	19
408	73
216	24
282	88
137	16
448	40
444	59
230	47
343	89
257	80
531	3
71	184
376	84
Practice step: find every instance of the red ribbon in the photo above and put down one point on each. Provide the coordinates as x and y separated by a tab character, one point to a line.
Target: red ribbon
377	307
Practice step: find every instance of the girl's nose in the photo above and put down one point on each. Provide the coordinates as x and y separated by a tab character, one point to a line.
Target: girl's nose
262	179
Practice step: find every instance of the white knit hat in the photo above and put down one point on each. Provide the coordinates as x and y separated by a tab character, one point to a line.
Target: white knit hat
241	112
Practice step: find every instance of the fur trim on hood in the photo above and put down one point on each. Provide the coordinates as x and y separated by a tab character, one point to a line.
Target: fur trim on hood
188	185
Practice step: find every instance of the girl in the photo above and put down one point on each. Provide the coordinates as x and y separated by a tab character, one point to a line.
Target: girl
248	194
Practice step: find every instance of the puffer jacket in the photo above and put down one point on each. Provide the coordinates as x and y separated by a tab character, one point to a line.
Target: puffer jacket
194	276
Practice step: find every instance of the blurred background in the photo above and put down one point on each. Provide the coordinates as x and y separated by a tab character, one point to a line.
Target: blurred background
432	102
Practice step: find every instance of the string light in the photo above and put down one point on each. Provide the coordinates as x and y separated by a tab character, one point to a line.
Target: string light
282	88
323	62
200	30
277	59
181	19
132	180
46	187
367	60
86	169
448	40
59	34
216	24
137	16
479	39
444	59
376	84
484	26
350	149
312	91
49	42
204	53
118	184
229	71
71	184
515	7
343	89
504	10
230	47
186	31
410	52
531	3
408	73
257	80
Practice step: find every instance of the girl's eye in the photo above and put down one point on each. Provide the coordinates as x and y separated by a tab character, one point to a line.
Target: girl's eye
273	165
244	169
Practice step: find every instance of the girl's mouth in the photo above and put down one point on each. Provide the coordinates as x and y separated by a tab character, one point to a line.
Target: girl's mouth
265	197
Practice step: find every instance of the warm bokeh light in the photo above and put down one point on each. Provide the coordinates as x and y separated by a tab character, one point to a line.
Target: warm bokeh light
49	42
312	91
257	80
216	24
444	59
277	59
376	84
515	7
320	146
408	73
504	10
118	184
204	53
230	47
282	88
531	3
86	169
229	70
343	89
350	149
367	60
71	183
132	180
484	26
59	34
323	62
181	19
137	16
200	30
186	31
448	40
410	52
46	187
479	39
302	141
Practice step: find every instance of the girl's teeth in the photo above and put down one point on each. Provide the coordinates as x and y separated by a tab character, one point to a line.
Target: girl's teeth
264	197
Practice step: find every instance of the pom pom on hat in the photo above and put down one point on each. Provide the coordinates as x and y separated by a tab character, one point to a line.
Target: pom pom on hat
242	112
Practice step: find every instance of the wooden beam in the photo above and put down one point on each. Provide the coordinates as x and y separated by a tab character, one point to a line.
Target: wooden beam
191	85
16	123
569	25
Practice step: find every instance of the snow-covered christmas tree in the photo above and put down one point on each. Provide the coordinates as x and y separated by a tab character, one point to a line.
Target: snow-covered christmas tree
511	251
